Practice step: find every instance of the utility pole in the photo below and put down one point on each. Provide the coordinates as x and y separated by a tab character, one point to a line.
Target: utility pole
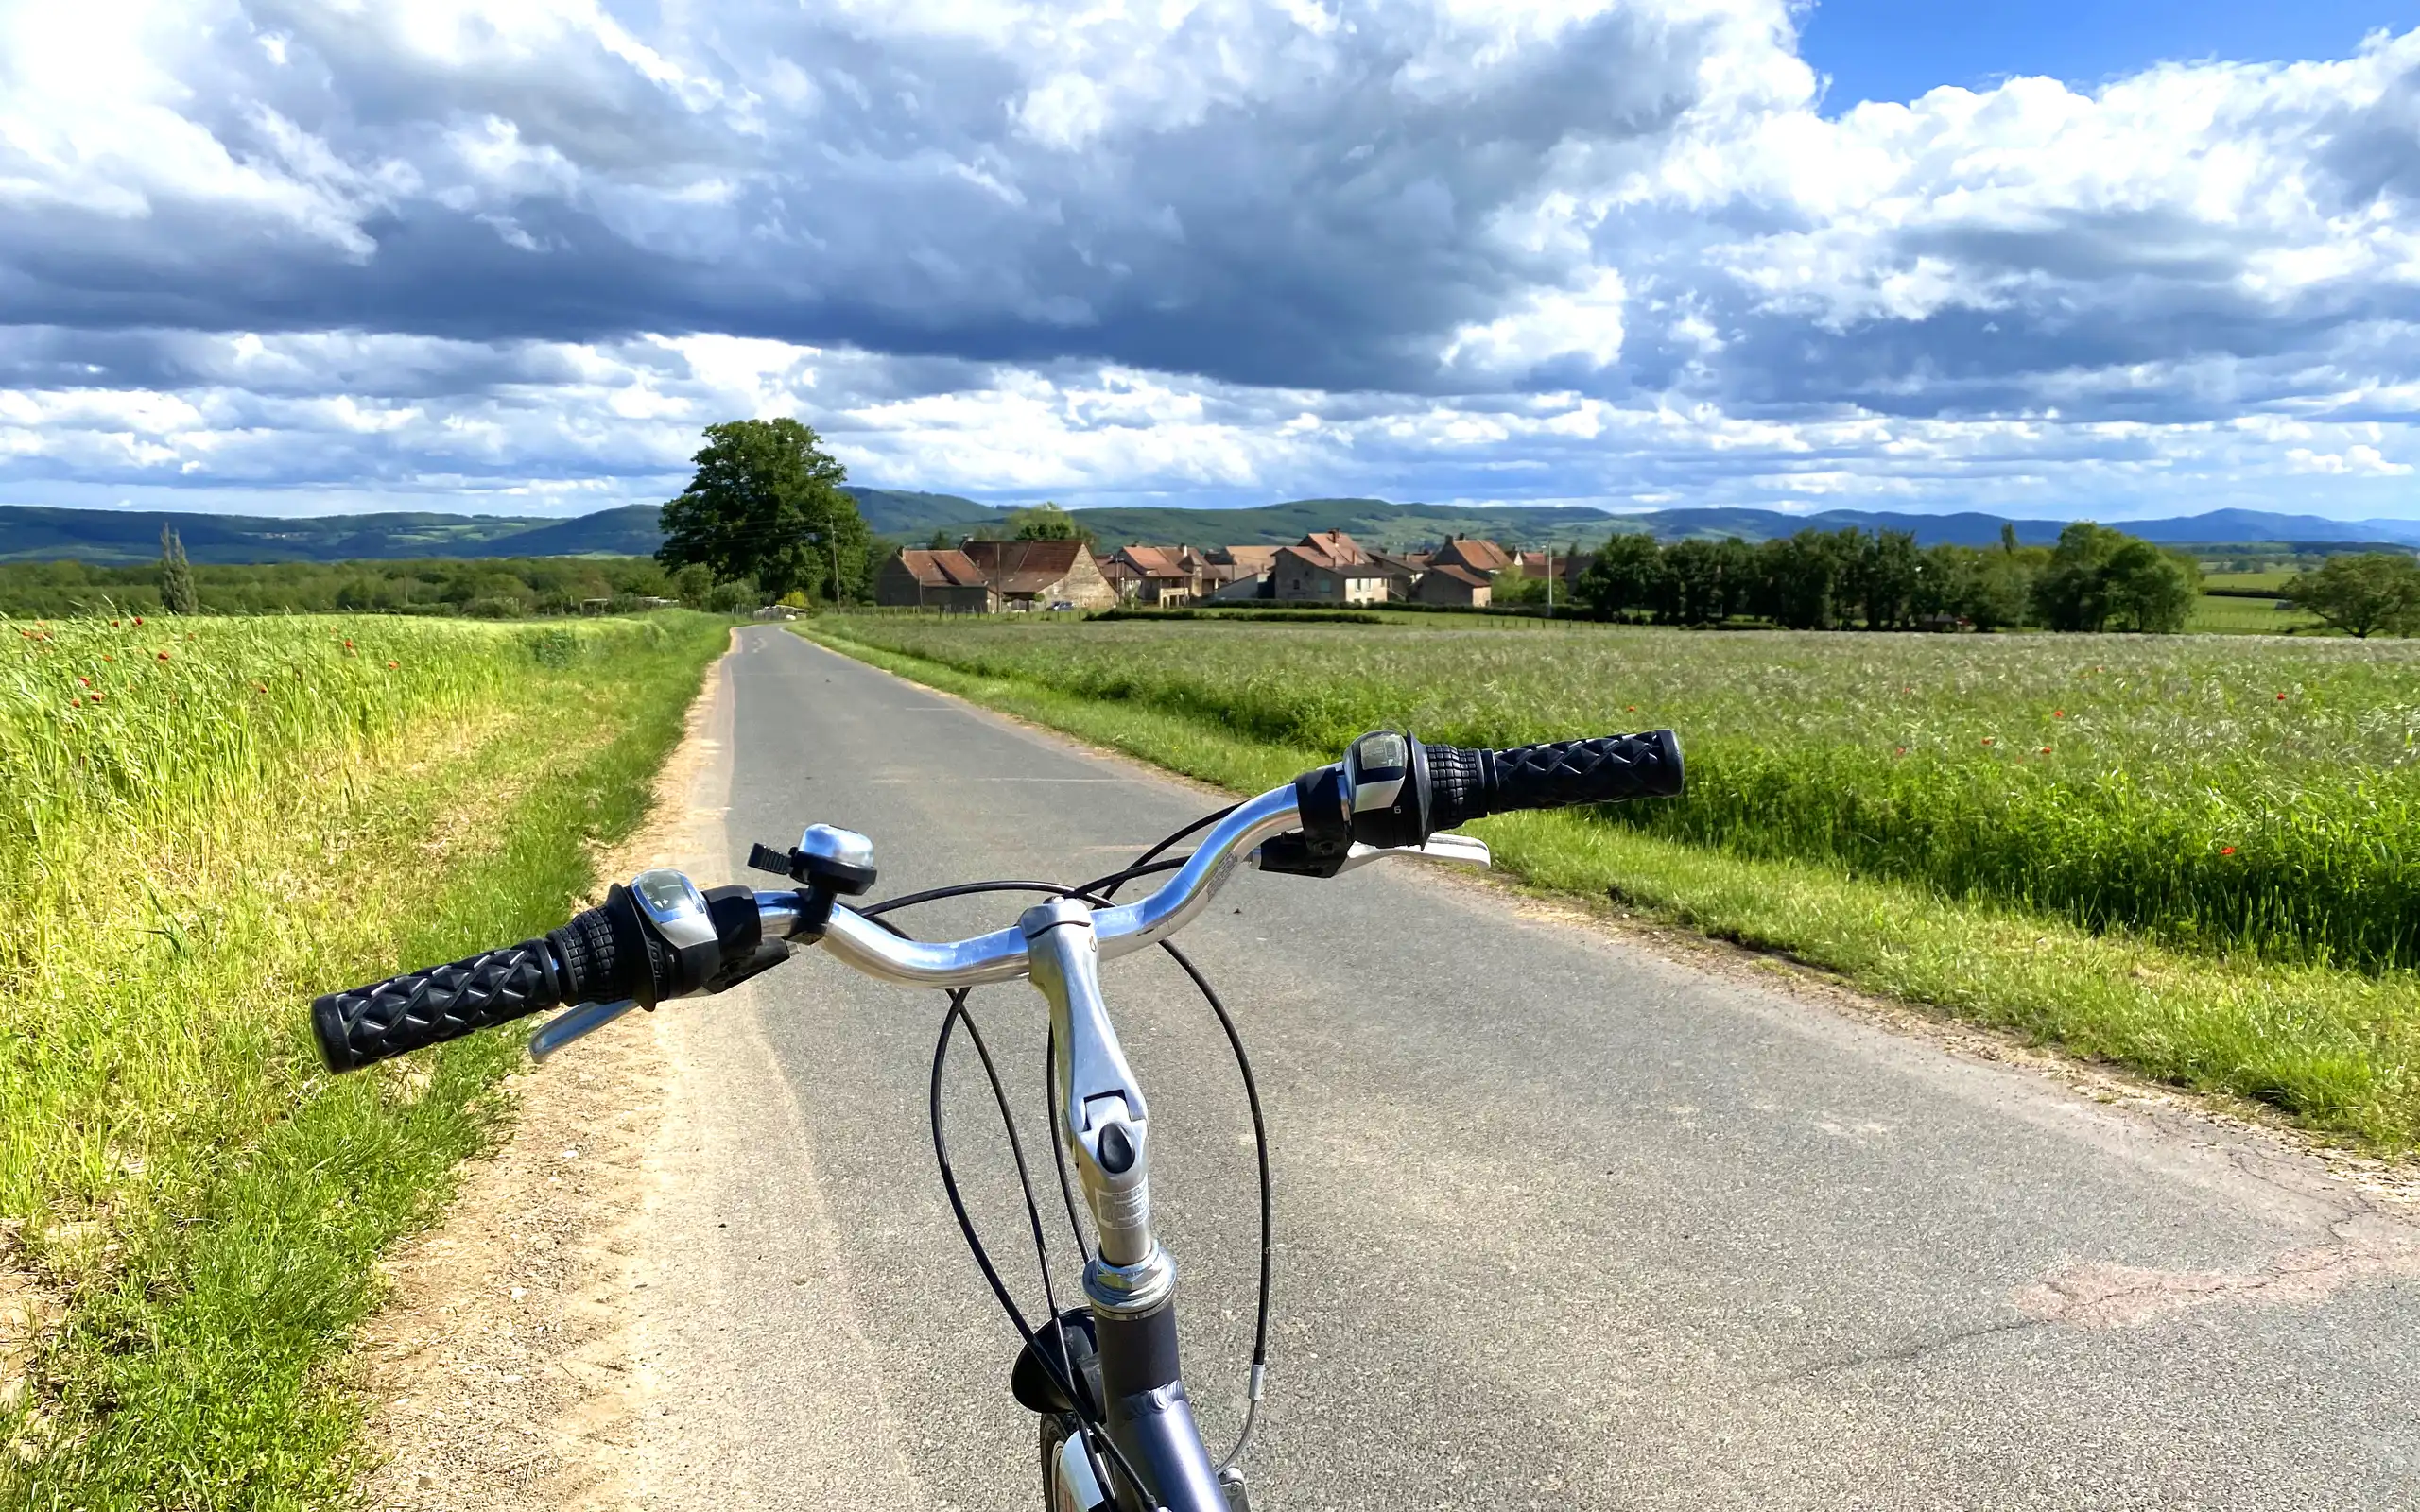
818	538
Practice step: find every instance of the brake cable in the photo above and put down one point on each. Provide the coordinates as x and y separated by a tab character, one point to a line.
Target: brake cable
1096	893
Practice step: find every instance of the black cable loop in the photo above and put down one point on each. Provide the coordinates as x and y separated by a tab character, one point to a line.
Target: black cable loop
1062	1370
1096	894
1058	1156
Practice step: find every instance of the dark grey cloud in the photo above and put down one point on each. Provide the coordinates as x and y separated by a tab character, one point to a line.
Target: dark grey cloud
1322	216
1588	251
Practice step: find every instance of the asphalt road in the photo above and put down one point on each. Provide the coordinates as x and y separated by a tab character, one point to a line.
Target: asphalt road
1562	1223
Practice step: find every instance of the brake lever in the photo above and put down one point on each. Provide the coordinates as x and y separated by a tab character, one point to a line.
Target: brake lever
576	1023
1455	847
586	1019
1296	855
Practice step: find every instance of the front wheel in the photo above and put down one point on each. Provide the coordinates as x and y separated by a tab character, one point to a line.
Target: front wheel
1068	1482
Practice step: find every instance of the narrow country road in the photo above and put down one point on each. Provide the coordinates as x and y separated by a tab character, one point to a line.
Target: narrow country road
1563	1224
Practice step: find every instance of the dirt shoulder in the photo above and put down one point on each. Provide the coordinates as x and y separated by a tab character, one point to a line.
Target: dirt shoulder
507	1370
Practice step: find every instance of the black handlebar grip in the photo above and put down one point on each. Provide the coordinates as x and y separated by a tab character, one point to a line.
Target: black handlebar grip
1472	785
443	1002
577	963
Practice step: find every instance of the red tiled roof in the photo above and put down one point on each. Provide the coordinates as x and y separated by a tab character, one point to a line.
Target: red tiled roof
942	569
1533	563
1254	560
1337	545
1460	575
1479	555
1023	566
1358	567
1155	562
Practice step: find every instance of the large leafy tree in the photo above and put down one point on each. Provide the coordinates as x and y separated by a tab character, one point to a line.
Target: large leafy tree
2097	575
766	504
2363	593
2150	590
2073	592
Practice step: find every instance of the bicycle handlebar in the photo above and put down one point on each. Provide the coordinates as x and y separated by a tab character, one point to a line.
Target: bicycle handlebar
661	937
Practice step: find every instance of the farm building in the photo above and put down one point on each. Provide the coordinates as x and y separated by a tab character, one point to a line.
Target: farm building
1471	554
933	580
1457	586
1038	574
1328	567
1164	576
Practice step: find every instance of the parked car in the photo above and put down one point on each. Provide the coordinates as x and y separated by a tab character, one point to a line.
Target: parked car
1062	604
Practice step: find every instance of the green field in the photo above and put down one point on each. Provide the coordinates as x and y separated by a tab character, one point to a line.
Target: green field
206	823
2186	853
2267	579
2220	614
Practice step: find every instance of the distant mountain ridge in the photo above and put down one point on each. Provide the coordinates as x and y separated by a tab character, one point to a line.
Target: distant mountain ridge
33	533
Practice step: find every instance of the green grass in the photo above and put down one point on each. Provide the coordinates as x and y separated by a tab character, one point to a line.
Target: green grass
1846	809
2216	615
279	808
2269	580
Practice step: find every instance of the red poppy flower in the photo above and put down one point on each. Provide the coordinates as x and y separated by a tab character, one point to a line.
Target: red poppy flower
2058	713
2046	751
2281	697
86	681
95	696
113	625
1987	740
138	619
164	656
2226	850
392	665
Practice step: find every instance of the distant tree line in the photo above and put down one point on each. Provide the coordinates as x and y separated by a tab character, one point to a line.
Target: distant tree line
2094	579
501	587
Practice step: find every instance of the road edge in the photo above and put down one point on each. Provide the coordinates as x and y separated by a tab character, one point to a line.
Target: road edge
504	1370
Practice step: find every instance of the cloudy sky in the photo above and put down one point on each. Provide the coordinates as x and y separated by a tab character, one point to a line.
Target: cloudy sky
291	256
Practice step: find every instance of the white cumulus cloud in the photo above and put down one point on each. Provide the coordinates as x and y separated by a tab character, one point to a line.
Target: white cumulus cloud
308	254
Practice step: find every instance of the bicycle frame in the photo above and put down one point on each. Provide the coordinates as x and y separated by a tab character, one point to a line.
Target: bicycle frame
1131	1285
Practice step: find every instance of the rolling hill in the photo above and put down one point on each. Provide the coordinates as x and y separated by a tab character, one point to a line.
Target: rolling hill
29	533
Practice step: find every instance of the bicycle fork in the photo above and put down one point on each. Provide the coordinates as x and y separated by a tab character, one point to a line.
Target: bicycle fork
1131	1285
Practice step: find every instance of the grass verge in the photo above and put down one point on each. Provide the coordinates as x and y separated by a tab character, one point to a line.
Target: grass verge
2337	1050
204	1203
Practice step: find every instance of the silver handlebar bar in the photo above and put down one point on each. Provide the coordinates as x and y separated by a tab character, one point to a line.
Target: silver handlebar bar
1000	956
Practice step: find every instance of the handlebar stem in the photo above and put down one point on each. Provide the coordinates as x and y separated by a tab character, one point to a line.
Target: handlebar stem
1105	1124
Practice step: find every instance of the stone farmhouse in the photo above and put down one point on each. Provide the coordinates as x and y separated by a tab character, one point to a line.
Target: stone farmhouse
991	575
934	579
1329	567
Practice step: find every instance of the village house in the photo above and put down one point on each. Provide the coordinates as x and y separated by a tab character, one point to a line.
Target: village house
1566	564
1158	575
1448	584
1471	554
1327	567
1230	573
1404	572
933	580
1041	573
